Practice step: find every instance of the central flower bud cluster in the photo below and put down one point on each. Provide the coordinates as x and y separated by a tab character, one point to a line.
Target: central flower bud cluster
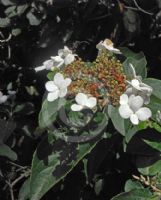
103	79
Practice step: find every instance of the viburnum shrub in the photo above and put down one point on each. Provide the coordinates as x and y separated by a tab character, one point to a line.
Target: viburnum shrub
81	99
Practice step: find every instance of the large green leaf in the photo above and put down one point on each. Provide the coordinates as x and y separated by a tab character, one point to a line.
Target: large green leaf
52	161
24	190
130	185
119	123
48	112
139	62
6	151
136	194
151	170
155	145
156	85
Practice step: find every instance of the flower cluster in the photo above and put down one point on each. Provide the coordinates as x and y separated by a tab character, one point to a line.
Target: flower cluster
99	83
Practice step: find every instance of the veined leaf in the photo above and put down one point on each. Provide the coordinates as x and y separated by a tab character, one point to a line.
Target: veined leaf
52	161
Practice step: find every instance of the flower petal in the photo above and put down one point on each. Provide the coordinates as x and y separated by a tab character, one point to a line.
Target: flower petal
62	92
125	111
91	102
123	99
144	114
59	79
48	64
52	96
135	102
81	99
134	119
67	82
50	86
69	59
76	107
136	84
40	68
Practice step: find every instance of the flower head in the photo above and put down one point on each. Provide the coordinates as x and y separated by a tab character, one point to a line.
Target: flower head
131	107
83	101
58	87
108	45
3	98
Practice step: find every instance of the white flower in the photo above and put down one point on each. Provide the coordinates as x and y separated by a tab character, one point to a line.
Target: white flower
64	57
131	107
83	101
3	98
58	87
137	87
108	45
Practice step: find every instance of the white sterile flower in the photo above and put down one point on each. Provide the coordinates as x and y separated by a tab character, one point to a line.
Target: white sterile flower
3	98
131	107
83	101
64	57
137	87
108	45
58	87
67	55
48	64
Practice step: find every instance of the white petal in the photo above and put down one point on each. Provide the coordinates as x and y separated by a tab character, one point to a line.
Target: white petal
52	96
62	92
1	94
81	99
58	79
67	82
125	111
57	61
76	107
129	91
48	64
135	83
91	102
50	86
69	59
40	68
144	114
134	119
123	99
135	102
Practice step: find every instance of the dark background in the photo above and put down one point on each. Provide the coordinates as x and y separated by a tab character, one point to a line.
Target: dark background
80	25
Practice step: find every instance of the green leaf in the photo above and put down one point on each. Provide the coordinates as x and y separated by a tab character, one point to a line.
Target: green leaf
4	22
24	192
117	120
155	145
21	9
6	151
48	112
11	11
16	31
130	185
156	85
135	194
52	161
7	2
33	20
151	170
139	62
